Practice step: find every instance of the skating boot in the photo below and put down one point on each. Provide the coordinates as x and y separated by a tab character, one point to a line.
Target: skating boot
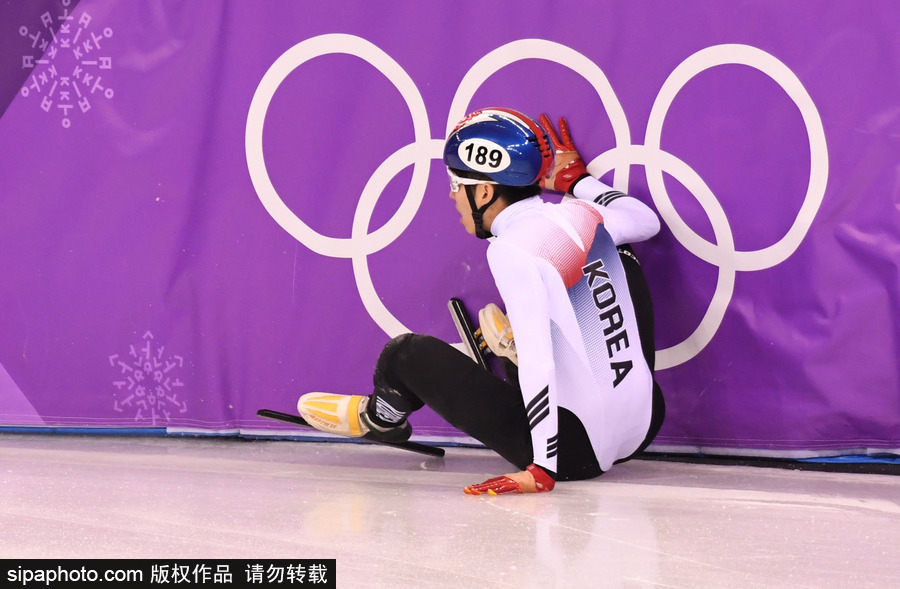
495	329
345	415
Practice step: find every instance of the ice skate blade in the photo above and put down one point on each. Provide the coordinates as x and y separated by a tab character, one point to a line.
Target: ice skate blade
411	446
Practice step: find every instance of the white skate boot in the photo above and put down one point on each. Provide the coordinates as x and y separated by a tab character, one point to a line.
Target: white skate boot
497	332
345	415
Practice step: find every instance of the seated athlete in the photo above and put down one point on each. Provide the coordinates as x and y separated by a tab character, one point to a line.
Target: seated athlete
582	395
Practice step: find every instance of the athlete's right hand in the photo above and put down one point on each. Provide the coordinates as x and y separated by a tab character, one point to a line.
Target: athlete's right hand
533	479
568	166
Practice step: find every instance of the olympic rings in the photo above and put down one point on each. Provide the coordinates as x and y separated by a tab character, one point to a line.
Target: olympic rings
722	253
361	243
411	154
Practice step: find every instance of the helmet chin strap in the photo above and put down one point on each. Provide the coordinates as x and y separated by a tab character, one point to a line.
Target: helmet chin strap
478	213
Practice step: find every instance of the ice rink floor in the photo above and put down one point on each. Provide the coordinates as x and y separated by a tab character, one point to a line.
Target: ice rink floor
397	519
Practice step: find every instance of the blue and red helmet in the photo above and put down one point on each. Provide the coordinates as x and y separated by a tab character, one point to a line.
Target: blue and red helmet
505	145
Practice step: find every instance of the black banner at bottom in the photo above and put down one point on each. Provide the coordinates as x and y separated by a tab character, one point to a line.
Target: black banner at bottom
151	573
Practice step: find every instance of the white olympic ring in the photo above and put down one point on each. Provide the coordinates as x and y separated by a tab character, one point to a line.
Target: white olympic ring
422	151
722	254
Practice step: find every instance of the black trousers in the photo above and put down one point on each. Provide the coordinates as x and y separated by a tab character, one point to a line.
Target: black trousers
415	370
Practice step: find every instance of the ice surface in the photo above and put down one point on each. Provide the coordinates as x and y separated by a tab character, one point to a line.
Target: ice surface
397	519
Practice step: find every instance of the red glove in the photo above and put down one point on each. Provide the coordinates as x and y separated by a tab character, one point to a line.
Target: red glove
533	479
568	167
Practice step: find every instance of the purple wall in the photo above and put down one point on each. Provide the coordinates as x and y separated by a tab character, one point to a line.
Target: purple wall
211	208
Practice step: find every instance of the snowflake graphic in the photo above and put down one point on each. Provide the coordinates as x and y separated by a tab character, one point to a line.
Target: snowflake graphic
67	63
150	380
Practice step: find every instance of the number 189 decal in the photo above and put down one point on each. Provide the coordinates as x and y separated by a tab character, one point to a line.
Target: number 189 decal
483	155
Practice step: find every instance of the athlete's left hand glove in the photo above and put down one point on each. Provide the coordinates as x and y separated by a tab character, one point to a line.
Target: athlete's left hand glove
568	166
533	479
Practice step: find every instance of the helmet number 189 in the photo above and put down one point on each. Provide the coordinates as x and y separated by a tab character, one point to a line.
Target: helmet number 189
483	156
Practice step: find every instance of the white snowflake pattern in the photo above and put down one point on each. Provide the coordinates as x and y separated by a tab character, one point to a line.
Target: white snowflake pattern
149	380
69	61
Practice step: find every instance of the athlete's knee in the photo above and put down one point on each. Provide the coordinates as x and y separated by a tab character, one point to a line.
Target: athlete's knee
392	355
392	401
401	355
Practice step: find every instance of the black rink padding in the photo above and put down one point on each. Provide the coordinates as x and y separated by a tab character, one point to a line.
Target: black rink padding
863	465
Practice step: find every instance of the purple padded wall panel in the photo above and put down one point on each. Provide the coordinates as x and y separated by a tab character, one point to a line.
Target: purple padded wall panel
210	208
